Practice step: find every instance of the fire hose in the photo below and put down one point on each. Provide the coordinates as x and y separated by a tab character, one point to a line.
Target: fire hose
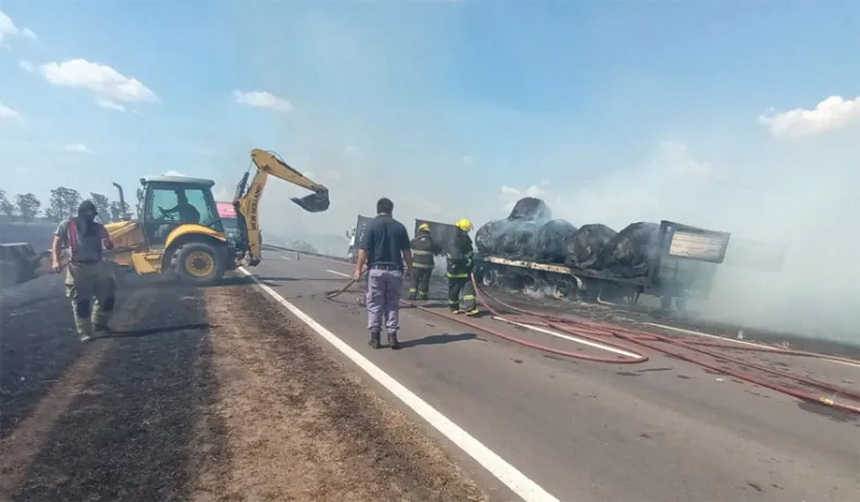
599	332
638	359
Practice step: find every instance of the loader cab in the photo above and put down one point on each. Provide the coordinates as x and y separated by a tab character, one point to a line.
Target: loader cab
171	201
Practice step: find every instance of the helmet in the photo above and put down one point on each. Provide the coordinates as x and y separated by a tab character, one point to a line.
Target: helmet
464	225
423	227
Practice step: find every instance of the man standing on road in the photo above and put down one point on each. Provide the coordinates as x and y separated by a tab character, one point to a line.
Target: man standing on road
385	248
460	265
88	275
423	249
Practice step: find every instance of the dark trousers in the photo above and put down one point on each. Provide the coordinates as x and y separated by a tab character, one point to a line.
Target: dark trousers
420	285
456	285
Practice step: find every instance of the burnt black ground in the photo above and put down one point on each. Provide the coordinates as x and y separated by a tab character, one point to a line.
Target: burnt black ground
37	344
124	437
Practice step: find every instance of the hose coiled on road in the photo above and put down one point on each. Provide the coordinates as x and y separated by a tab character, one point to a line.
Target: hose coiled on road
599	332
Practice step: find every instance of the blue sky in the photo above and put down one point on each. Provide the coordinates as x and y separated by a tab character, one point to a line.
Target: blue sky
613	111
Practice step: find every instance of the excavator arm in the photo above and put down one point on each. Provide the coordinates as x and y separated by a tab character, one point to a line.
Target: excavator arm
248	196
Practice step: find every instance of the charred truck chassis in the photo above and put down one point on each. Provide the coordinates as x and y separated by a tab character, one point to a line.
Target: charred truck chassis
682	269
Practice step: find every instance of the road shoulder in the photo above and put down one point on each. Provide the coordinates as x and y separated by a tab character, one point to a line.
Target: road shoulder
301	425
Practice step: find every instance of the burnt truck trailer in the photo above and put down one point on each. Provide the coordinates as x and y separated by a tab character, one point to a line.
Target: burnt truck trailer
681	267
355	237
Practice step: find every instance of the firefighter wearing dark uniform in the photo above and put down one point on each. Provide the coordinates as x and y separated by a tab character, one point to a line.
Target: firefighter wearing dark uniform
422	263
460	264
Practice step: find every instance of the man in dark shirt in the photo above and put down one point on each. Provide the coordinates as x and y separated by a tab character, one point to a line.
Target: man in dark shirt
88	276
385	248
187	212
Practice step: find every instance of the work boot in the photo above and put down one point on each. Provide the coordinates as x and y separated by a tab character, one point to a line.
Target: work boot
473	312
374	339
455	311
85	330
392	341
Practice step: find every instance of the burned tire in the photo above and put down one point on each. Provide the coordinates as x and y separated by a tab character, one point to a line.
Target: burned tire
198	263
489	277
564	288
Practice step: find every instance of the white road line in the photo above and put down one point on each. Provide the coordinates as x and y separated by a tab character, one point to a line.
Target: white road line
501	469
571	338
742	342
335	272
699	333
286	258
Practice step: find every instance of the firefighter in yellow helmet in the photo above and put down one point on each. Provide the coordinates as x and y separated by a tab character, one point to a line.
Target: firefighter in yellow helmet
423	249
460	265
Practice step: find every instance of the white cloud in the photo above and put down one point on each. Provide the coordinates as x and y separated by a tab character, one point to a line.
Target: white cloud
110	105
9	30
173	173
467	160
27	66
77	147
7	114
831	114
262	99
109	87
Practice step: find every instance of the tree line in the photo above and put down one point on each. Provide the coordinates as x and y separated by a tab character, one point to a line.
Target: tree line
63	204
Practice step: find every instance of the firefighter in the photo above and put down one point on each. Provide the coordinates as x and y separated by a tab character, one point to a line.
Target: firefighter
460	265
423	250
88	275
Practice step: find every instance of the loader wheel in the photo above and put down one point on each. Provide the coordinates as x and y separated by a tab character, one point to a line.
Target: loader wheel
198	263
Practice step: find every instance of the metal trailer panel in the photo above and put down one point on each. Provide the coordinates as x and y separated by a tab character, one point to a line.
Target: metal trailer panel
441	233
360	225
685	241
686	264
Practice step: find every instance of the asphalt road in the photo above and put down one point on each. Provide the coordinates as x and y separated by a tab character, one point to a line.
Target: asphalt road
663	430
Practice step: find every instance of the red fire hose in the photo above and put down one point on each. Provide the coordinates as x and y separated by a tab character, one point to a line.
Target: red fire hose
599	332
590	327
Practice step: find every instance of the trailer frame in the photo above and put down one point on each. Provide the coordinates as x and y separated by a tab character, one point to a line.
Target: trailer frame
682	268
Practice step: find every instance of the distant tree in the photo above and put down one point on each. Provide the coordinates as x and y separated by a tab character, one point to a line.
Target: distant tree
6	207
51	214
64	203
28	206
116	212
102	205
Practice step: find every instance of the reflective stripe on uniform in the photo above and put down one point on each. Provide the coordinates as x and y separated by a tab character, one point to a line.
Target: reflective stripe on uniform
422	252
468	297
421	265
412	290
457	276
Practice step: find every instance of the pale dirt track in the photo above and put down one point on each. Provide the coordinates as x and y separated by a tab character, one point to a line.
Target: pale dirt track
201	395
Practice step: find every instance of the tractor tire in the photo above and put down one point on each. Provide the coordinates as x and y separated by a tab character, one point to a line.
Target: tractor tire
198	263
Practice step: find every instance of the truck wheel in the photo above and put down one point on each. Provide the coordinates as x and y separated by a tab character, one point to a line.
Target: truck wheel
563	288
531	284
198	263
489	278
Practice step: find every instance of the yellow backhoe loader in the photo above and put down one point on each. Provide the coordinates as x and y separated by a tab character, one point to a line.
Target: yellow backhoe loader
179	231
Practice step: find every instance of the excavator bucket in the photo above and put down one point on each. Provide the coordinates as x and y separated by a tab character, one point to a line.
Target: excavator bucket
313	203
